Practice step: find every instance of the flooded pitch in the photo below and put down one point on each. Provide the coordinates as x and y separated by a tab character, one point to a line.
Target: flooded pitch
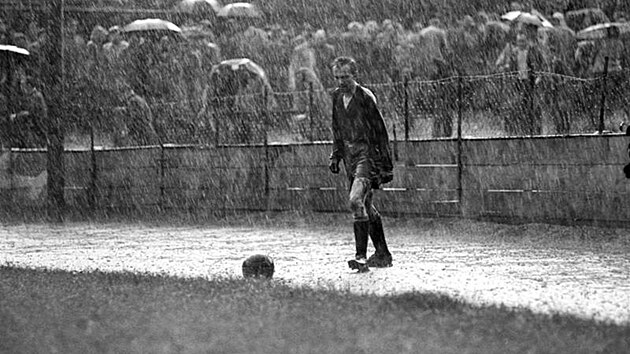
581	271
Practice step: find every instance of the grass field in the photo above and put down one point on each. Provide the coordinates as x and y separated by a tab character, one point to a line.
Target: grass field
44	311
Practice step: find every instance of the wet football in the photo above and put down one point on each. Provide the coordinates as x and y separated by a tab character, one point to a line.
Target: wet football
258	266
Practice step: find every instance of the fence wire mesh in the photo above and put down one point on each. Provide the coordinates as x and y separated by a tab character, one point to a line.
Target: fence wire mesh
506	104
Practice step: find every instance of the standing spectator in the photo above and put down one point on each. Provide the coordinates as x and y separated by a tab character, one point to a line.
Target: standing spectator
116	44
466	42
360	140
135	124
4	32
612	48
303	56
113	50
525	59
436	46
559	99
324	55
29	122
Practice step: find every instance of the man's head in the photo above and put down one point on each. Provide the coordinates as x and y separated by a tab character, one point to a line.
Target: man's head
99	35
345	71
27	84
115	34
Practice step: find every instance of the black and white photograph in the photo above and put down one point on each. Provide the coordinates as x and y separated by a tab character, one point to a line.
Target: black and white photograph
325	176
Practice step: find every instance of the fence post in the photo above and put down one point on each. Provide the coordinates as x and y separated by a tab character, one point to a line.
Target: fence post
406	107
460	167
162	175
395	141
310	112
266	145
602	105
531	104
93	172
55	93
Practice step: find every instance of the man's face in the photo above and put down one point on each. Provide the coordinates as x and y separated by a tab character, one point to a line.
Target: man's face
345	79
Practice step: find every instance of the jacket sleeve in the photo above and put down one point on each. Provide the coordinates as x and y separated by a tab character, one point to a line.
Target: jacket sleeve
378	135
337	152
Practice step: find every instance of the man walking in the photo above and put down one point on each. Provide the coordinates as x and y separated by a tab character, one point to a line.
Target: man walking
360	140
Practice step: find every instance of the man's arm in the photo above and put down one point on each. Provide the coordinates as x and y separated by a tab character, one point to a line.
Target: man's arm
337	152
378	133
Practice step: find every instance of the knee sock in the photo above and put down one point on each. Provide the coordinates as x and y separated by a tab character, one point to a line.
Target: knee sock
377	234
361	237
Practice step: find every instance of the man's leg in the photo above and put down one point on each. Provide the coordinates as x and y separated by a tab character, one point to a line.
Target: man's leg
381	257
358	194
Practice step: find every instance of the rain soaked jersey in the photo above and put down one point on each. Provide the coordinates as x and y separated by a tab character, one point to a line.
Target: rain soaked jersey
360	123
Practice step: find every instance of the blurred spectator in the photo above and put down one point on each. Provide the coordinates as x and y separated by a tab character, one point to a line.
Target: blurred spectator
135	124
610	47
526	59
98	38
4	32
303	56
116	45
564	40
324	55
385	48
559	98
466	42
308	84
19	39
436	46
71	32
29	122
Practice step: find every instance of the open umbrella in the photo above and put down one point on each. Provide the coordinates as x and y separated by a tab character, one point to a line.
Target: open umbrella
240	10
197	33
605	30
11	49
240	64
152	24
532	18
582	18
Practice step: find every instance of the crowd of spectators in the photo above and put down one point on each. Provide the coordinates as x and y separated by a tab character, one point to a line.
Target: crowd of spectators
166	77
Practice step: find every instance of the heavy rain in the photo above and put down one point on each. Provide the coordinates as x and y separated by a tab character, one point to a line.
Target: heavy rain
504	119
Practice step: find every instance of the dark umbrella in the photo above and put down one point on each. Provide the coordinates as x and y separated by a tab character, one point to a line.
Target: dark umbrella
605	30
240	10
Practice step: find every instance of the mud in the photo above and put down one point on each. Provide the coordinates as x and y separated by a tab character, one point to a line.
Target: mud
549	269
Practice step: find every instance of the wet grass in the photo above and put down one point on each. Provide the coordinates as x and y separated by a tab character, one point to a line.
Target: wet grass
46	311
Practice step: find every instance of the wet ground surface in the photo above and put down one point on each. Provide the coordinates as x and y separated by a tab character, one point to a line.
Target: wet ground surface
581	271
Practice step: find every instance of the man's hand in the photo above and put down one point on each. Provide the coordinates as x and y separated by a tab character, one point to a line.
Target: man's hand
333	166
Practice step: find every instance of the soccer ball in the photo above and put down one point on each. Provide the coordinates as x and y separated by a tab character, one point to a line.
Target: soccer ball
258	266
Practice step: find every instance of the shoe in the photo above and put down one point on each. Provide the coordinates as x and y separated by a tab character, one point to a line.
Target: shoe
380	261
360	264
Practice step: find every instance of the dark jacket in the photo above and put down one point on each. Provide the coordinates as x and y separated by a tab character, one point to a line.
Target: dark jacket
361	122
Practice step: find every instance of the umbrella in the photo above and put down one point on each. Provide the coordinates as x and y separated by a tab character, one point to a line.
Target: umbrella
152	24
240	9
199	5
240	64
582	18
11	49
197	33
605	30
532	18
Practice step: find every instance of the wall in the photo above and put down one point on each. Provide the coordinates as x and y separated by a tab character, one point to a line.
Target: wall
549	179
